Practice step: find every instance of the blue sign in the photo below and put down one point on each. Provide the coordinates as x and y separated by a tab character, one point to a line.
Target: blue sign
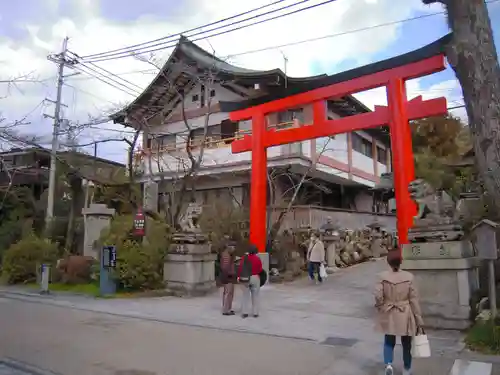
109	256
107	285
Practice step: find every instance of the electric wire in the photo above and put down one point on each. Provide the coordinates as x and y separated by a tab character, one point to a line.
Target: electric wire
186	31
133	52
118	87
95	71
146	50
262	49
117	76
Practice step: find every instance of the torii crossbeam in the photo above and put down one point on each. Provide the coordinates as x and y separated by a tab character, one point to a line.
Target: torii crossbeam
392	74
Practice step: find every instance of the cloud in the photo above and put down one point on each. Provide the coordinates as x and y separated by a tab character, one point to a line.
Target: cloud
90	32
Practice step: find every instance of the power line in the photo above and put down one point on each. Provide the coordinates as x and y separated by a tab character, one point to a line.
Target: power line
147	50
78	68
255	51
132	52
186	31
367	28
143	71
88	93
126	85
96	67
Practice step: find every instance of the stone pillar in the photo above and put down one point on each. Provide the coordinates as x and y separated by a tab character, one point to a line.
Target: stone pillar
189	269
446	275
97	217
331	242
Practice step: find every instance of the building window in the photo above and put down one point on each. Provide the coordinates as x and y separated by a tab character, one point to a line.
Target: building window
228	130
165	141
362	145
212	93
290	115
202	100
195	98
382	155
287	118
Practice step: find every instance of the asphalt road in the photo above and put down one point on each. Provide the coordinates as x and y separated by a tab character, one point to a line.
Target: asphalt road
73	342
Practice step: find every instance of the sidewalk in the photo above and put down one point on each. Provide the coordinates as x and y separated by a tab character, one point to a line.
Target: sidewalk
338	313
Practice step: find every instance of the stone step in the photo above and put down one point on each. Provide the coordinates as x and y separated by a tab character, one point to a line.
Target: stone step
446	366
464	367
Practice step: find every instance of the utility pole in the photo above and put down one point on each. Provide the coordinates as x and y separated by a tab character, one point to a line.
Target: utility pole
59	59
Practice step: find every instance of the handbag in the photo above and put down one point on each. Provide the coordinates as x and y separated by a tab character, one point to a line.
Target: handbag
263	277
421	347
322	271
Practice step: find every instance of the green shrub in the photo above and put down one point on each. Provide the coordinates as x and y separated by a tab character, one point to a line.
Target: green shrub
484	337
21	260
139	266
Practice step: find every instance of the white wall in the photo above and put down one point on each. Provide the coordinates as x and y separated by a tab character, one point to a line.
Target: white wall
179	162
335	148
381	168
362	162
363	181
334	172
221	94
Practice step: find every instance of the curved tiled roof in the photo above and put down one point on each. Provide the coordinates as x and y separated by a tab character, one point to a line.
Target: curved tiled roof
193	55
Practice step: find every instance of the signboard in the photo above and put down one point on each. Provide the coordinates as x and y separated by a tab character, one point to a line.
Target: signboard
438	250
139	224
150	201
109	256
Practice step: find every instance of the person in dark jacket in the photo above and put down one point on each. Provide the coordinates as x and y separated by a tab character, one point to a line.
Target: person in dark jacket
249	276
228	278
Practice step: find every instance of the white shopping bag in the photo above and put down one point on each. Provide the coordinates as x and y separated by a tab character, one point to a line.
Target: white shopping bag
420	346
322	271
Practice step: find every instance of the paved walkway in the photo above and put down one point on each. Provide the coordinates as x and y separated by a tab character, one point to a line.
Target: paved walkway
338	313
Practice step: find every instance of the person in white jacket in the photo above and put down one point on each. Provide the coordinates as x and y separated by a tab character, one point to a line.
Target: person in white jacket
315	256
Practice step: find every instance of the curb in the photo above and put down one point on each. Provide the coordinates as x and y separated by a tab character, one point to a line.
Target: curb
24	367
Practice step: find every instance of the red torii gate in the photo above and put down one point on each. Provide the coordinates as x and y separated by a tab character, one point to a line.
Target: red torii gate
393	74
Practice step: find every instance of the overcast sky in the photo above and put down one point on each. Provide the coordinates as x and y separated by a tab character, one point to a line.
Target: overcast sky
31	29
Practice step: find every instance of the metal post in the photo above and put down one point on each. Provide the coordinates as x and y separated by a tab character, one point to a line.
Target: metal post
107	286
493	292
61	60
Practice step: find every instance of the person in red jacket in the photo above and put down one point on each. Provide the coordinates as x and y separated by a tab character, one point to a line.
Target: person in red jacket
249	276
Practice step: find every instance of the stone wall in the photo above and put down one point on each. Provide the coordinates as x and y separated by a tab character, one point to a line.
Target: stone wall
314	216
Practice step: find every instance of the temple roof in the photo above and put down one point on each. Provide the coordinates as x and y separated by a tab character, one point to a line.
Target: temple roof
160	90
192	56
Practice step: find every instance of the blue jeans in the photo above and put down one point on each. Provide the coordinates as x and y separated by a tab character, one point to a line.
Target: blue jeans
313	268
390	343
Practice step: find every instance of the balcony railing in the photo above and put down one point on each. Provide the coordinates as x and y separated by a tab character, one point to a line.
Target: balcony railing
210	141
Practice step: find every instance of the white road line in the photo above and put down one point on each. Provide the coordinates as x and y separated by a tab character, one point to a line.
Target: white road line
463	367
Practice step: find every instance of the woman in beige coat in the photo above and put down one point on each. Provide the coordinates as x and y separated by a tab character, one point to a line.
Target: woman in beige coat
399	313
315	256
